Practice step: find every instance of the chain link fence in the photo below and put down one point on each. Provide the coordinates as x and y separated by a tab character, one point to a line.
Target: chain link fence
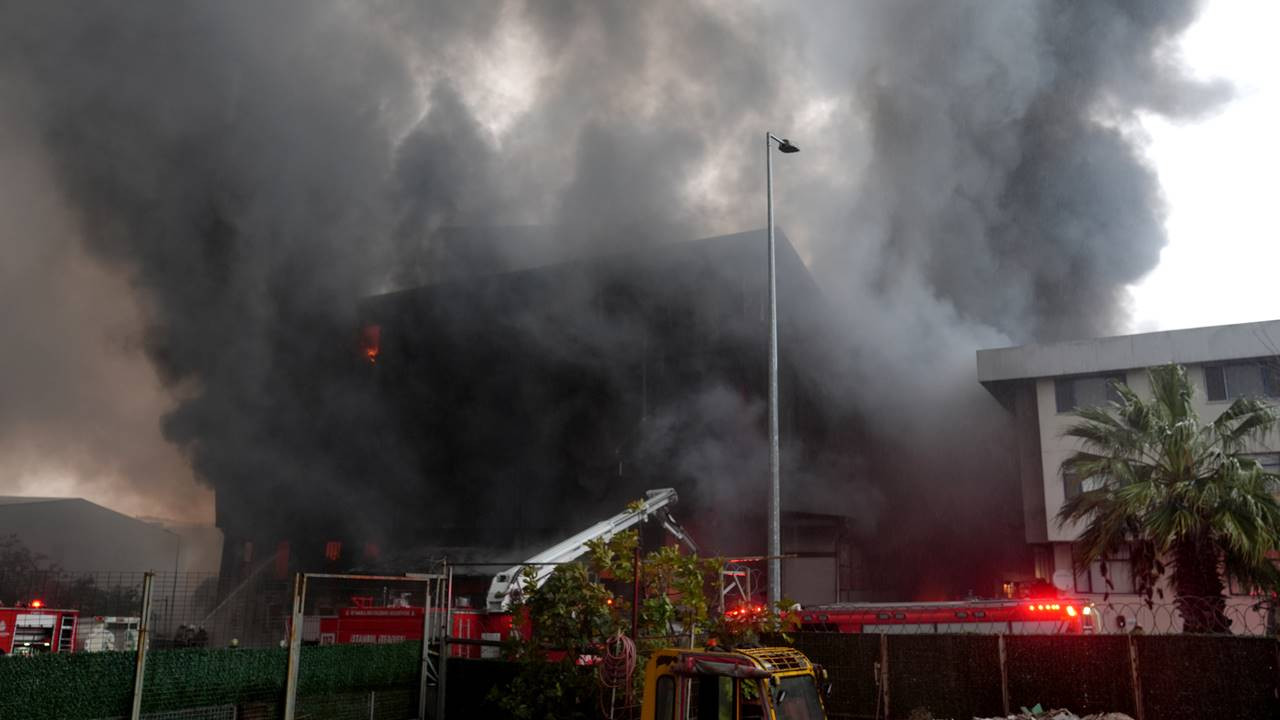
346	647
189	610
359	649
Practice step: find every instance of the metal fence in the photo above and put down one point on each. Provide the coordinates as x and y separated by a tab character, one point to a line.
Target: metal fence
1158	677
170	646
188	609
333	615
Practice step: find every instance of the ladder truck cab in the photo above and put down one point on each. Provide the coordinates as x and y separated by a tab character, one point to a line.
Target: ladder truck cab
32	629
655	506
771	683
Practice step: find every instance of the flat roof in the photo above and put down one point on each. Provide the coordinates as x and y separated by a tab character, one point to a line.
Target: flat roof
26	499
1127	352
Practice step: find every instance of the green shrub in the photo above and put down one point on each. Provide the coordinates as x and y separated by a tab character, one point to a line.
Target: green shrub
83	686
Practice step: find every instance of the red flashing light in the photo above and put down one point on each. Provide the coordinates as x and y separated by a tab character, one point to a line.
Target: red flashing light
609	602
1071	611
37	603
745	612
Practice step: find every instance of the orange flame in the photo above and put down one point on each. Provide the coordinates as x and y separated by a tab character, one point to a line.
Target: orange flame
371	341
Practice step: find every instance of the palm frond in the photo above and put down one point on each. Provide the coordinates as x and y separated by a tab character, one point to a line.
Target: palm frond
1165	479
1246	418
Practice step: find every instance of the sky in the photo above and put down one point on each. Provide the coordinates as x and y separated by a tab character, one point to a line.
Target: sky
1219	178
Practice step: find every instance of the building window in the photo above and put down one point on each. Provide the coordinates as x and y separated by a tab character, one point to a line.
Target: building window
1270	462
1119	570
1086	391
1254	378
1074	486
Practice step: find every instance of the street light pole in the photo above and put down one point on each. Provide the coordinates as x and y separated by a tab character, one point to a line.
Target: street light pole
775	490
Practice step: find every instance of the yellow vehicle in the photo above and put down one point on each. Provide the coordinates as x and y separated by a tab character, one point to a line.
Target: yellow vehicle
774	683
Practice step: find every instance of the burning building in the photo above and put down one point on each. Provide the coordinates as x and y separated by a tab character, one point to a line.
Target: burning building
534	401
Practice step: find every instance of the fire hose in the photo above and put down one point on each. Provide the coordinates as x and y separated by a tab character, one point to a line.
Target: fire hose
617	665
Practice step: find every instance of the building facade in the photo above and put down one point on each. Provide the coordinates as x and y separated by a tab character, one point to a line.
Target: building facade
519	399
1041	386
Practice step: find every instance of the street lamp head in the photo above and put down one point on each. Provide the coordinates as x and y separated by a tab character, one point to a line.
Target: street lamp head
785	146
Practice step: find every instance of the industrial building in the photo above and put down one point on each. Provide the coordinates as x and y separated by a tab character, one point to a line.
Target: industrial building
525	398
1042	384
78	536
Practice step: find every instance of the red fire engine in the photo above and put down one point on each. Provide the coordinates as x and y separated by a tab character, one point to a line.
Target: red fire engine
1042	616
33	629
1043	613
363	622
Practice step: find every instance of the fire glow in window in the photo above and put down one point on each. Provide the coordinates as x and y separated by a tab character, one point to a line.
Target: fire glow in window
371	342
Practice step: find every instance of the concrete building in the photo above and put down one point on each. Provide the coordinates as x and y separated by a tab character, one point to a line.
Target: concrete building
527	395
1042	384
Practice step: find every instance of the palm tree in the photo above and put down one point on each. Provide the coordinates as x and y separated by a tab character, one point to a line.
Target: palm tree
1178	494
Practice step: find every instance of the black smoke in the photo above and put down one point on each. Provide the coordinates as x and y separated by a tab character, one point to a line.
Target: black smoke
971	175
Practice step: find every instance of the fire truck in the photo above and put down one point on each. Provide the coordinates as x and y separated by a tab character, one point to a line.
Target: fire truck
399	621
366	623
1031	616
34	629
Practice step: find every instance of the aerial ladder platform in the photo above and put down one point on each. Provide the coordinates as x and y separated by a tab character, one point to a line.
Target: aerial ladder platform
655	506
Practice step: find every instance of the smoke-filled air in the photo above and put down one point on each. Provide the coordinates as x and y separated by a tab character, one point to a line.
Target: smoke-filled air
197	196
